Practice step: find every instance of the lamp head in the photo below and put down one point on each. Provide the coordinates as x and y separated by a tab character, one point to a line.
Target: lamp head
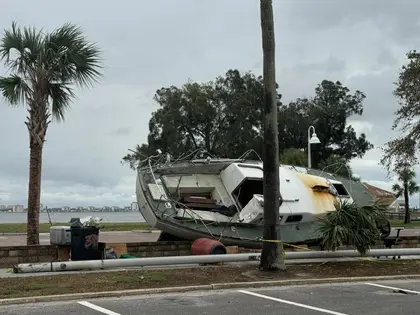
314	139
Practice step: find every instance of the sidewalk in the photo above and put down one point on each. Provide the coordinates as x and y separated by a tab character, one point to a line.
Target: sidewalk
136	236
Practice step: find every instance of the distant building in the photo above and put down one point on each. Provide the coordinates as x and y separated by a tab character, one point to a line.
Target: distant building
17	208
397	206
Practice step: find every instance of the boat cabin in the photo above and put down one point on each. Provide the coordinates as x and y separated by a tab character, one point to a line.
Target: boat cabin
236	194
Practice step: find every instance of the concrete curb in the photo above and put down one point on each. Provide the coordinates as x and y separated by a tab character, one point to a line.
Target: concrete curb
45	234
209	287
12	234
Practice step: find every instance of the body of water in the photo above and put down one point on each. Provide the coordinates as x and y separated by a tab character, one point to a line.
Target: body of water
63	217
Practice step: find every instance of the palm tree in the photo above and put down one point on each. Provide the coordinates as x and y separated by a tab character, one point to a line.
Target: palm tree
352	225
272	250
409	187
44	70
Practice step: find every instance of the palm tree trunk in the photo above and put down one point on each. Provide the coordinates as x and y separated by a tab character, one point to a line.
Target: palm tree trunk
37	125
271	256
407	218
34	193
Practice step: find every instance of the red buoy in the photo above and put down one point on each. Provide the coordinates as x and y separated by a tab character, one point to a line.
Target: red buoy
206	246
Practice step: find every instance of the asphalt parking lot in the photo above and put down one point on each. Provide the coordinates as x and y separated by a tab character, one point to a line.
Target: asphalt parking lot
374	298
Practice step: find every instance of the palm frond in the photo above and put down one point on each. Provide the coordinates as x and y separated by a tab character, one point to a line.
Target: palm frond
33	41
398	190
351	225
61	96
413	187
20	49
71	57
406	174
14	89
12	39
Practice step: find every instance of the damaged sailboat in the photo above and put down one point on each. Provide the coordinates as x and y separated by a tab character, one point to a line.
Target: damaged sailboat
201	196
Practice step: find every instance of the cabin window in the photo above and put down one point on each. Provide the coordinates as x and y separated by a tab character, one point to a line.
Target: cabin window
341	190
247	189
293	218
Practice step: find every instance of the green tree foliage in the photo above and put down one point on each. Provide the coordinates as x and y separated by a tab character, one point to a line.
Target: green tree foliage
44	70
225	117
328	111
407	188
296	157
402	152
352	226
337	165
334	164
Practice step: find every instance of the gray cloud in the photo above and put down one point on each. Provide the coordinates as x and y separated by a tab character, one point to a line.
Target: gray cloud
397	19
386	58
148	45
122	131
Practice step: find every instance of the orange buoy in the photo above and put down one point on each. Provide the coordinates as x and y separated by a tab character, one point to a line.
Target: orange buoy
207	246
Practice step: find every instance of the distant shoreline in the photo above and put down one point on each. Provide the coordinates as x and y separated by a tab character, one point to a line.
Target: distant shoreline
122	211
45	227
107	217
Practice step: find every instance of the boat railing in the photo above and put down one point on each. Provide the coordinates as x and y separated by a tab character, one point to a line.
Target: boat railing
172	201
335	173
195	156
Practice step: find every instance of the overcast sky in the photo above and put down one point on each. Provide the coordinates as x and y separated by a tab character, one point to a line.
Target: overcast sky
150	44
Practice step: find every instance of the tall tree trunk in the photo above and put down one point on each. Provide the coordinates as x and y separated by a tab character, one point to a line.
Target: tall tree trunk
407	218
37	125
272	251
34	193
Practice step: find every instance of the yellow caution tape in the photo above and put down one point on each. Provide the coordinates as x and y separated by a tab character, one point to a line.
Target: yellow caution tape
287	244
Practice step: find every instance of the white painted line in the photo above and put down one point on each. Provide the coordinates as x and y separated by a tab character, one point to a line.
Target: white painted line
292	303
97	308
392	288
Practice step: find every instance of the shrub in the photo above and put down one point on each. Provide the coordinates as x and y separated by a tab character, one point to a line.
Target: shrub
351	225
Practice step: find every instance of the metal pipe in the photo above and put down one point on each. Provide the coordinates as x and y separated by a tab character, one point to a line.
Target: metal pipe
134	262
353	253
309	146
200	259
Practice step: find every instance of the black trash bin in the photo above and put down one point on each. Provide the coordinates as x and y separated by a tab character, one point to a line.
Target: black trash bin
84	243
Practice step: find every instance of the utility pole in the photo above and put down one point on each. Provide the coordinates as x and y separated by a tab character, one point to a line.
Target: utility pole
272	250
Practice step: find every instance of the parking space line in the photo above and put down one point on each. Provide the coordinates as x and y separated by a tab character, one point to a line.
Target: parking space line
291	303
393	288
97	308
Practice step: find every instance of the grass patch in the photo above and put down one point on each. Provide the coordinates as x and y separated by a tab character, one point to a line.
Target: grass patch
413	224
45	227
128	226
142	279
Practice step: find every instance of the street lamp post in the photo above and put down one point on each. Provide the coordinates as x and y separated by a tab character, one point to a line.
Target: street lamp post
311	140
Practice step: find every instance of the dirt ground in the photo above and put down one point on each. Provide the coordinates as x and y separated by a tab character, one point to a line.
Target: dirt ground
140	279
